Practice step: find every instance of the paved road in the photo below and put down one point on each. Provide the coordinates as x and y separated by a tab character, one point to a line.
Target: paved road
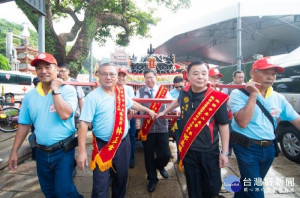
24	182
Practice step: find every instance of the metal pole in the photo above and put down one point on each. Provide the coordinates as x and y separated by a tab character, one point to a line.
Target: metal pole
91	62
41	31
9	45
239	39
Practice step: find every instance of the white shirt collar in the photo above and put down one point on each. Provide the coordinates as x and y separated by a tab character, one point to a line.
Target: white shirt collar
155	88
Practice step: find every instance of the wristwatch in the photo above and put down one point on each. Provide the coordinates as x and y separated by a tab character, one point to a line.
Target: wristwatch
224	153
56	92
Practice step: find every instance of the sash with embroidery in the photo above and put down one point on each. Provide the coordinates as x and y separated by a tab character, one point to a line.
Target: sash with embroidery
212	101
103	158
148	122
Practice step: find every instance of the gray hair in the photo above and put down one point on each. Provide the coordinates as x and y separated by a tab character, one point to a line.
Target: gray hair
105	65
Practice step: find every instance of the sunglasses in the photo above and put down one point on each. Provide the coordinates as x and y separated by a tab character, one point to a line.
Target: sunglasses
179	87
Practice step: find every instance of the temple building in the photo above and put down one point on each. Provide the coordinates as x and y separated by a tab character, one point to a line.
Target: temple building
119	57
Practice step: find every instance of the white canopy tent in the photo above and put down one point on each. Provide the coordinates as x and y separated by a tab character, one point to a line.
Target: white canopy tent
268	28
290	59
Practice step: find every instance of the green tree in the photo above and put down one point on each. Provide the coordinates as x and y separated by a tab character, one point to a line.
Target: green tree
4	63
100	19
6	26
83	71
86	63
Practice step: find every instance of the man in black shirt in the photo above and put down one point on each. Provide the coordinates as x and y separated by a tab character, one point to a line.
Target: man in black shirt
203	115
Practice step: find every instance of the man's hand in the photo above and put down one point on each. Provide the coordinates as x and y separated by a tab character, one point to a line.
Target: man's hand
130	114
82	160
13	161
152	114
56	83
160	114
252	87
223	161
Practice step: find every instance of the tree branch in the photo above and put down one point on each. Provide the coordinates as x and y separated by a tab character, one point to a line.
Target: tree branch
114	19
65	37
123	6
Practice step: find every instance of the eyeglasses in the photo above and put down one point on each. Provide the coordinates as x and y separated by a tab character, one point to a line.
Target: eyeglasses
150	78
110	74
63	71
179	87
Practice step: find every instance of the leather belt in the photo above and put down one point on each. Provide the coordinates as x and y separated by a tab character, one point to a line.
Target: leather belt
54	147
262	142
105	142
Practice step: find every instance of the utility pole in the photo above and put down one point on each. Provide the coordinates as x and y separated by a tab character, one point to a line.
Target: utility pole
41	32
239	38
39	6
91	62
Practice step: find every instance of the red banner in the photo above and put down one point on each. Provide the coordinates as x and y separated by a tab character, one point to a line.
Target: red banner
148	122
104	158
212	101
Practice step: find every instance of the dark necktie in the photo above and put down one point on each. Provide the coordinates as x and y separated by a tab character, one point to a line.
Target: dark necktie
151	93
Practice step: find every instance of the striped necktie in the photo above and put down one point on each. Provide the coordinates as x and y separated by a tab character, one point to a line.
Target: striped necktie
151	93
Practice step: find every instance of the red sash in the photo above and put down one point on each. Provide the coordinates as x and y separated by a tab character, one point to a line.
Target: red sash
148	122
103	158
212	101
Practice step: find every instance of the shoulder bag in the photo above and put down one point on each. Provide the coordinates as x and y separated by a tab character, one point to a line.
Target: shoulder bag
268	115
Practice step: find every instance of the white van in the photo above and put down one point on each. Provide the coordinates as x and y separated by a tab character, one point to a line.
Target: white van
288	84
14	85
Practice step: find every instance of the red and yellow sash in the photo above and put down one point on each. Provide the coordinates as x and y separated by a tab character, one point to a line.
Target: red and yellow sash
104	158
148	122
211	103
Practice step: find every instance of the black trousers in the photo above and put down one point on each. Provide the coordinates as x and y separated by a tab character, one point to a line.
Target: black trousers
156	143
120	164
202	172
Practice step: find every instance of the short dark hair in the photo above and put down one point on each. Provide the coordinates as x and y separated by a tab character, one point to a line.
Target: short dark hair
66	65
196	63
177	79
237	72
150	71
35	81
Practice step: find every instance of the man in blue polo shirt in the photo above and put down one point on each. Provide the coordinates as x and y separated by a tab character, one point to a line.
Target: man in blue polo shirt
50	107
253	133
99	108
178	85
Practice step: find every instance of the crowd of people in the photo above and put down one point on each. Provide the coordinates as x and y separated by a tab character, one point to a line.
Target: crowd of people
205	131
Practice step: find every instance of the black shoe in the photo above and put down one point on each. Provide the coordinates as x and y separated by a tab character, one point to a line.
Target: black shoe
131	165
164	173
151	186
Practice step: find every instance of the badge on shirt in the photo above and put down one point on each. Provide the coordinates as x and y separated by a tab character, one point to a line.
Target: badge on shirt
52	108
274	113
186	99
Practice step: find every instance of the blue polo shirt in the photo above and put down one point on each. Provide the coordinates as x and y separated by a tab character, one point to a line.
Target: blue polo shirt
174	93
99	108
260	128
38	109
129	90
